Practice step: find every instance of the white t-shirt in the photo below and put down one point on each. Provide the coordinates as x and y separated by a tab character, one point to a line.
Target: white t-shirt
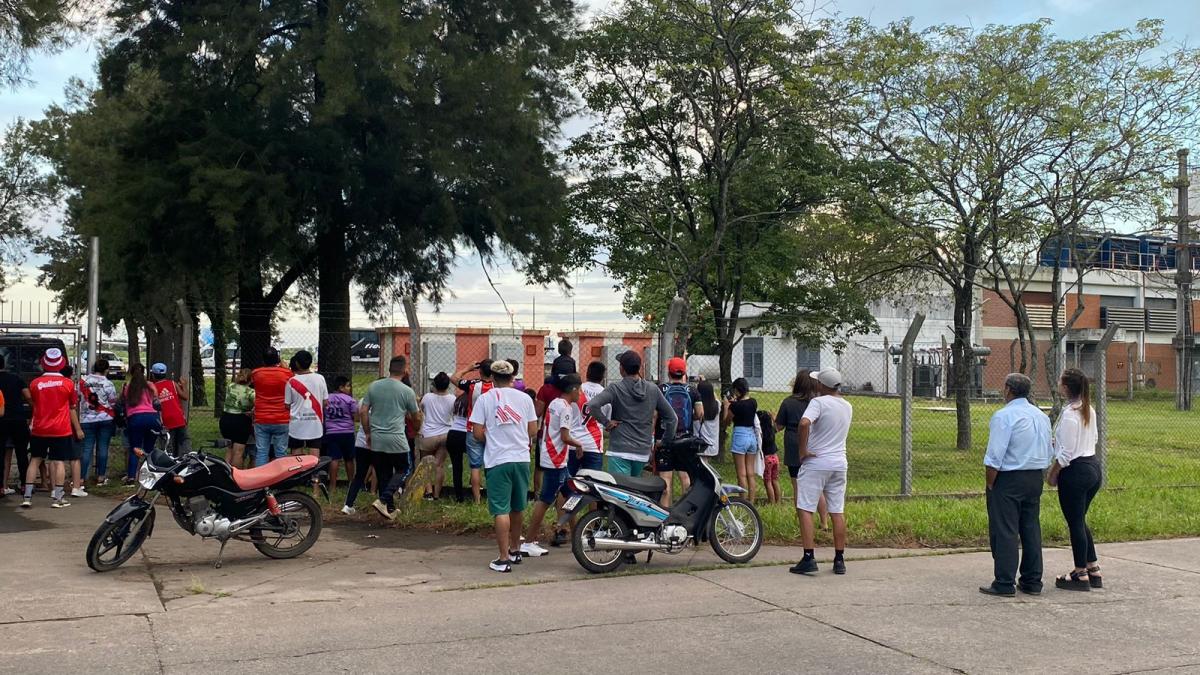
360	438
709	431
438	414
505	414
585	429
592	390
554	451
830	417
308	408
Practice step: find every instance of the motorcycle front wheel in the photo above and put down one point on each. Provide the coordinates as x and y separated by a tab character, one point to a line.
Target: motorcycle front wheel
291	533
735	531
114	543
597	525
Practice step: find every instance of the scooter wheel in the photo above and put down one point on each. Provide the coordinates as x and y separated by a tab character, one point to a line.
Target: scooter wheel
598	525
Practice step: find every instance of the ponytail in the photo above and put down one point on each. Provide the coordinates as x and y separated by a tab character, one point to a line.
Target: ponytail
1076	384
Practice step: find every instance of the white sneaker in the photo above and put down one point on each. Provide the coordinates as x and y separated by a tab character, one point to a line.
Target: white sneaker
503	566
79	492
348	510
382	509
9	491
533	550
27	503
60	503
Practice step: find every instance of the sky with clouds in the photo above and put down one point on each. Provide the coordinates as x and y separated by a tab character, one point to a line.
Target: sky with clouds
593	303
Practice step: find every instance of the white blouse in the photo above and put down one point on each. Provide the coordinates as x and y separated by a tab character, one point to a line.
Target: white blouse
1073	439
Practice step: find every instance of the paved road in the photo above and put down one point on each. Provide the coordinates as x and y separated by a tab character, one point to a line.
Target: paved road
376	600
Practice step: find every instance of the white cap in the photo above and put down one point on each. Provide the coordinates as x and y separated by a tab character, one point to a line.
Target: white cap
829	377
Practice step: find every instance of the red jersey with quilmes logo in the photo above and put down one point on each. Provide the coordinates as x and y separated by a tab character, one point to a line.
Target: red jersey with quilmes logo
53	396
172	409
270	385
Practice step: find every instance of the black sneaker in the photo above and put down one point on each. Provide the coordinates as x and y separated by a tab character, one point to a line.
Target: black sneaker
999	592
502	566
839	566
514	557
805	566
1029	590
559	539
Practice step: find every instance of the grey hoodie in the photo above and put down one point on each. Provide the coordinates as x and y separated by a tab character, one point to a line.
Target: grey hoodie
634	402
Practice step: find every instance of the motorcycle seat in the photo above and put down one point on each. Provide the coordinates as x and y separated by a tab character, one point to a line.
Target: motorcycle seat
652	485
272	472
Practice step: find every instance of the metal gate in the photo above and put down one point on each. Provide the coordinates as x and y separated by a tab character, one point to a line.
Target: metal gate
440	357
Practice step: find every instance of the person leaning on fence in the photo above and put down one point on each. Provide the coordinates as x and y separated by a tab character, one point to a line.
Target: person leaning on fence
139	399
1077	474
823	432
1018	451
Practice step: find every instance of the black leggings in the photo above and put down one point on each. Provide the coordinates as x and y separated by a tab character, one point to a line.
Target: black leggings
1077	486
456	445
362	465
391	470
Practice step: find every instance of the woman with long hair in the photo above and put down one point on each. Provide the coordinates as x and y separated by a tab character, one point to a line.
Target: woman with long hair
141	416
742	411
787	420
1077	474
708	426
456	438
237	418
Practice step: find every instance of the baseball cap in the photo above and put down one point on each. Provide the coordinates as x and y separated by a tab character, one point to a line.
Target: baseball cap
158	369
630	361
829	377
53	360
502	368
676	366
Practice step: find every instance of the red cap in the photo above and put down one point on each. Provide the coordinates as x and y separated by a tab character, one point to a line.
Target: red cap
676	366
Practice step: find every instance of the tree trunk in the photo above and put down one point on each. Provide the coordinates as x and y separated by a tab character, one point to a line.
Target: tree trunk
199	394
333	310
131	342
254	321
963	358
216	315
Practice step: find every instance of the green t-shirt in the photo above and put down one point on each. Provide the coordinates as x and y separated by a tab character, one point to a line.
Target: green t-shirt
239	399
388	402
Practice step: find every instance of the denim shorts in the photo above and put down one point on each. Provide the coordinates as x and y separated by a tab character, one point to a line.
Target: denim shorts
744	441
591	460
554	482
474	452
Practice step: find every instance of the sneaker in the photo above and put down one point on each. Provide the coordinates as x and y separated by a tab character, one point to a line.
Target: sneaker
27	503
60	503
428	496
498	565
560	538
127	481
514	557
101	482
839	566
79	492
348	510
805	566
9	491
382	509
533	550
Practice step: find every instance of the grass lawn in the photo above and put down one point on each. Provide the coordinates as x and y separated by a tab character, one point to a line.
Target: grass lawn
1153	487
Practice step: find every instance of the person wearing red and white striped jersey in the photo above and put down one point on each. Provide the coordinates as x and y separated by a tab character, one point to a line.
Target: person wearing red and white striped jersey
557	444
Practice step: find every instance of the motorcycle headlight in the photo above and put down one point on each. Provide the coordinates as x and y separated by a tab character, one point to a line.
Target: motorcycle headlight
147	478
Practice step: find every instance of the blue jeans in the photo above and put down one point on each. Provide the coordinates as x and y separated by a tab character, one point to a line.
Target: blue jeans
137	431
269	438
96	436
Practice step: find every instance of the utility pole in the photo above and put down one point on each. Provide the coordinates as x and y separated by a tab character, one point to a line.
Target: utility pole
1183	287
93	305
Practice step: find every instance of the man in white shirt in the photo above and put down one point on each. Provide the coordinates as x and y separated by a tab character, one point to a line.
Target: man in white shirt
305	396
823	431
504	421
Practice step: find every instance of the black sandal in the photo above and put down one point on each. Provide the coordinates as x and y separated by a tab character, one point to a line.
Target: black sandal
1094	577
1073	581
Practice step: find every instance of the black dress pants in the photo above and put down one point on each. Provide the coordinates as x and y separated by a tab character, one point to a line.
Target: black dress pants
1077	486
1014	504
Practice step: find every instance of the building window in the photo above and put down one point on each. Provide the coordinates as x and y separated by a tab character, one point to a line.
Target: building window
1116	301
1160	303
807	358
752	360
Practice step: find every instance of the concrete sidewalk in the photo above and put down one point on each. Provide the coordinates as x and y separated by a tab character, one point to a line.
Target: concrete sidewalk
373	600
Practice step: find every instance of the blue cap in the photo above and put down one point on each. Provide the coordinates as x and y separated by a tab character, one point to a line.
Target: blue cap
159	369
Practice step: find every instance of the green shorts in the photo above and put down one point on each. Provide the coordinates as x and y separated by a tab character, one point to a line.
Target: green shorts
625	467
507	488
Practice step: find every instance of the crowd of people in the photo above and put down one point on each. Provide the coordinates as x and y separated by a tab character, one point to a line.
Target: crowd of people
486	415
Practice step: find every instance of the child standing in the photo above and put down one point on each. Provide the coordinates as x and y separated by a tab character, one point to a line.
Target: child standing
770	456
341	410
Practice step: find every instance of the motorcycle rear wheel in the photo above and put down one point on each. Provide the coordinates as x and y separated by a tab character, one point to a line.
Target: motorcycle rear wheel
735	531
589	527
116	536
290	528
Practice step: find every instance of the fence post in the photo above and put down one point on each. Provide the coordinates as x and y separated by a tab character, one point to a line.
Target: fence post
1131	357
905	377
416	363
1102	398
185	361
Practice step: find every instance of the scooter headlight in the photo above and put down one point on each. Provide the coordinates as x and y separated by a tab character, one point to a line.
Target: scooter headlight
147	478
